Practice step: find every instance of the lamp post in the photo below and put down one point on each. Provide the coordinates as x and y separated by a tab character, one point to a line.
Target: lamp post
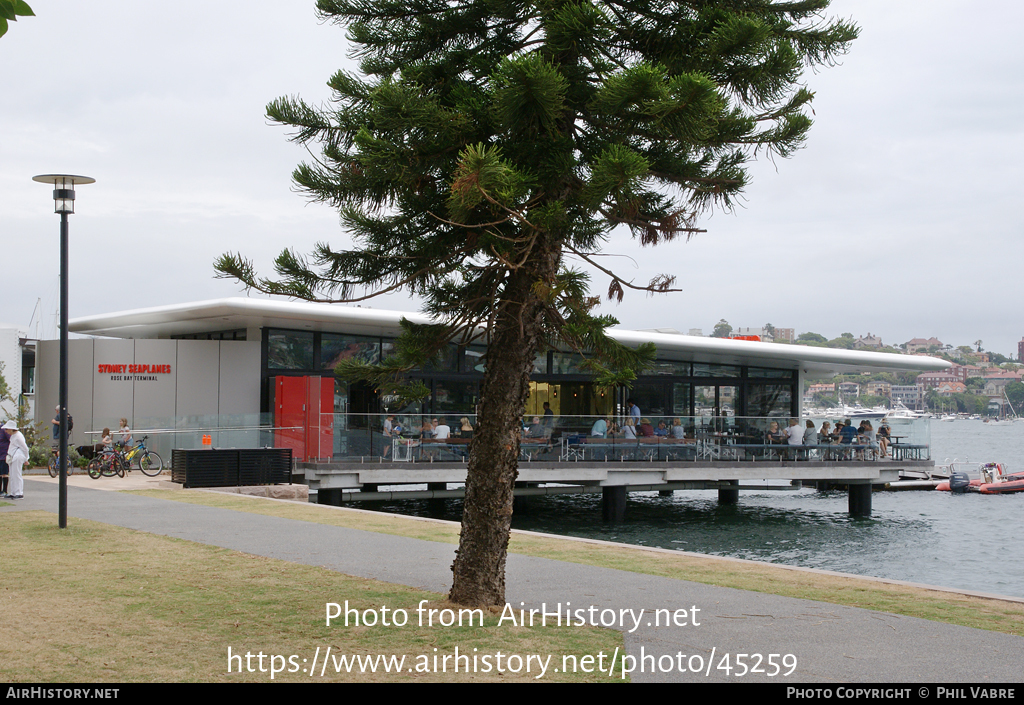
64	203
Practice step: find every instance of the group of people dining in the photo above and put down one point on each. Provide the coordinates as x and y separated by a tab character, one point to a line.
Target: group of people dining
432	429
633	427
843	433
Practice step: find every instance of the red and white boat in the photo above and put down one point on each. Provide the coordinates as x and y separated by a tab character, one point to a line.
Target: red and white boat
993	479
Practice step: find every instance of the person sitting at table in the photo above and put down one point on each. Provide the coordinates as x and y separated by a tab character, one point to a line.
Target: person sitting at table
442	431
662	430
866	434
825	434
536	429
645	429
774	435
793	436
678	432
628	429
884	438
599	429
465	427
426	433
810	435
847	433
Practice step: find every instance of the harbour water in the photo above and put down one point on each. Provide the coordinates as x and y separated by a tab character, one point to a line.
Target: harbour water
960	541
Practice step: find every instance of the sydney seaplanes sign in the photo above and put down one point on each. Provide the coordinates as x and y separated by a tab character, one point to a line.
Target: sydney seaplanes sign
134	373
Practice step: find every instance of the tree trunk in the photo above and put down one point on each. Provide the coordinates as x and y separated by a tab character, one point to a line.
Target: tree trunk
479	567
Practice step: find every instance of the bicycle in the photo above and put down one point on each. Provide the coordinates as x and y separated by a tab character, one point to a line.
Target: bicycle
149	462
107	464
53	465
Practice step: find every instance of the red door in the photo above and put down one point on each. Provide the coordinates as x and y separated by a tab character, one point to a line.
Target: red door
304	416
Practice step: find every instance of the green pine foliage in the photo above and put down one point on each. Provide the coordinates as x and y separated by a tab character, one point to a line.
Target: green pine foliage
488	149
480	128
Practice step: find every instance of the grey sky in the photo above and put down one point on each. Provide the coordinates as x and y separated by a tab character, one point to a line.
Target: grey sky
900	217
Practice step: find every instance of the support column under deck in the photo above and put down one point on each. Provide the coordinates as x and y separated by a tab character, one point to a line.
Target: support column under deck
613	505
331	497
436	507
729	496
860	500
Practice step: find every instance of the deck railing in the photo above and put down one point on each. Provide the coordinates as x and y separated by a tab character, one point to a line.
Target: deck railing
413	438
362	438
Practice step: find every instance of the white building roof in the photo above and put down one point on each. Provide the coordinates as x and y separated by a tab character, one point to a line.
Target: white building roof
248	313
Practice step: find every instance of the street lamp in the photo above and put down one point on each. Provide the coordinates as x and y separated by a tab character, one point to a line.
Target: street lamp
64	203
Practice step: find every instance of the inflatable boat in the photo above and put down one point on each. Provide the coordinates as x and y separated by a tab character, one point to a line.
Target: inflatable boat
993	480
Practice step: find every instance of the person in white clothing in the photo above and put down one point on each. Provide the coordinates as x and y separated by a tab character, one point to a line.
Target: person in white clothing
795	433
442	431
17	454
795	436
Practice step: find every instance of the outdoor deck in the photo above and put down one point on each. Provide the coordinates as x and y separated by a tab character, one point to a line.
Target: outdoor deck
349	481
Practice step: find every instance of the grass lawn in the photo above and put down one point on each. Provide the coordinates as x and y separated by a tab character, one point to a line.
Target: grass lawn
96	603
951	607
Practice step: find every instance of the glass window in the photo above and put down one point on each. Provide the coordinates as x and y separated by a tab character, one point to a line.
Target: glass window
652	399
289	350
567	364
769	400
681	399
669	367
336	348
765	372
456	397
474	358
702	370
447	360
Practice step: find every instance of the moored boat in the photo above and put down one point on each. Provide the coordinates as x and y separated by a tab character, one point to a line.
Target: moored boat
993	479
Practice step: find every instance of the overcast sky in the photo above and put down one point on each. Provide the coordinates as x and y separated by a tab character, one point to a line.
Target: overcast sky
901	216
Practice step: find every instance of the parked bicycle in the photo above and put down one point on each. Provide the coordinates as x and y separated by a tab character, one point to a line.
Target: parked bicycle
148	461
107	463
54	464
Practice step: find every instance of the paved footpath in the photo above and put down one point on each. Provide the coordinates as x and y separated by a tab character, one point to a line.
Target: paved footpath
832	644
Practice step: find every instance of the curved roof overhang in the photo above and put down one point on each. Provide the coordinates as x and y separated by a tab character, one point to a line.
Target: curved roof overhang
237	313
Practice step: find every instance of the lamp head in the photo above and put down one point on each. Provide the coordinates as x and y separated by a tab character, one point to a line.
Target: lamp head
63	189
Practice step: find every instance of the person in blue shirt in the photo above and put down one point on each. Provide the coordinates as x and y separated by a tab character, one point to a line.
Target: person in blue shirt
634	411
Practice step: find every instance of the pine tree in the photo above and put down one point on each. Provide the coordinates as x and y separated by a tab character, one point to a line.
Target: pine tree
488	150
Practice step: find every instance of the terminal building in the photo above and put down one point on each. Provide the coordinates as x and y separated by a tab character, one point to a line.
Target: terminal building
249	363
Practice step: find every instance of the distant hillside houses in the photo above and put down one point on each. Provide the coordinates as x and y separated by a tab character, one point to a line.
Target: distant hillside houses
932	380
921	344
995	382
867	341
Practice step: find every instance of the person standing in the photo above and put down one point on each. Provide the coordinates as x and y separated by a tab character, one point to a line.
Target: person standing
549	418
55	422
17	454
126	433
634	411
5	444
388	434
